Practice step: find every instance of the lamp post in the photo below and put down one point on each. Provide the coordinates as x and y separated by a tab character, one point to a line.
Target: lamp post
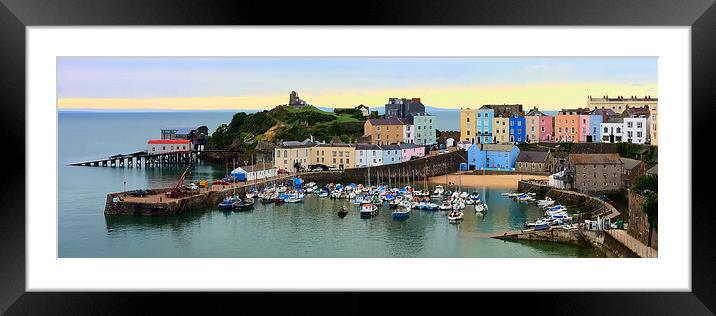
125	186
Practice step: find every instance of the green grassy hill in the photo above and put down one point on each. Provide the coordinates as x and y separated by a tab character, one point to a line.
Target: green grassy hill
287	123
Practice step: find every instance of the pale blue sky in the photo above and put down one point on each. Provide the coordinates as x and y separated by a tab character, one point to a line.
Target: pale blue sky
122	77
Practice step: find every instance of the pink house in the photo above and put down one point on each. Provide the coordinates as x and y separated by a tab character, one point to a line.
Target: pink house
411	150
545	126
583	128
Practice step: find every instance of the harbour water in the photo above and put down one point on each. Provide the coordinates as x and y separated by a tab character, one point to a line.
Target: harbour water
308	229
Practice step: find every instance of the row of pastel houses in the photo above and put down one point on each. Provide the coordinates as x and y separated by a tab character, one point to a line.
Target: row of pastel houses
294	156
608	120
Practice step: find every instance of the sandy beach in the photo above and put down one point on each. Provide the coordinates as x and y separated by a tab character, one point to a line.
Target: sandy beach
493	181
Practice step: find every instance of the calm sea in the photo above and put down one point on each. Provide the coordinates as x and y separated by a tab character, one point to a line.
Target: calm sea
310	229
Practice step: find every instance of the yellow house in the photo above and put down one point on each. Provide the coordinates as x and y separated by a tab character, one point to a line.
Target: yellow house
500	129
384	131
467	125
333	155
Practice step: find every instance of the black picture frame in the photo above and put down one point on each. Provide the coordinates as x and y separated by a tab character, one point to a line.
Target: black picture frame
16	15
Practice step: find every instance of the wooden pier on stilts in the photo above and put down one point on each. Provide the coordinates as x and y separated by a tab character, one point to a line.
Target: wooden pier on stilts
143	159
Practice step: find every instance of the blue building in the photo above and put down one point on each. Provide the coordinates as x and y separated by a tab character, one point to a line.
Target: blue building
596	118
518	130
483	119
391	154
492	156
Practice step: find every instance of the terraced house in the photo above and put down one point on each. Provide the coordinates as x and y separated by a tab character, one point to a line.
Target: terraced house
500	130
334	155
385	131
368	155
619	104
484	116
423	128
293	155
467	125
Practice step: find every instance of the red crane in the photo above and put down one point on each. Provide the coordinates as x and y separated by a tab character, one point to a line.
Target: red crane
177	191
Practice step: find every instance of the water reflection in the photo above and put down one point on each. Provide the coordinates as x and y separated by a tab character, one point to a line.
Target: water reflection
312	229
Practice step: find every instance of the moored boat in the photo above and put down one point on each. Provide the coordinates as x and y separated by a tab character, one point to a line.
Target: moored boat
368	210
455	216
342	212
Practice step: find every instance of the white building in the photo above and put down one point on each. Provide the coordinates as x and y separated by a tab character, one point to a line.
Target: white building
255	172
408	133
163	146
612	130
450	142
636	130
368	155
363	109
465	144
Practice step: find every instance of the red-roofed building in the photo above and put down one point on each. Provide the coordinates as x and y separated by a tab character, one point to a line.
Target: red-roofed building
163	146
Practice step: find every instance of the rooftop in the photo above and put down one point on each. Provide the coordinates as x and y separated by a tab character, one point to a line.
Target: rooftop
532	156
387	121
168	141
367	147
390	147
496	147
594	159
630	163
622	98
653	170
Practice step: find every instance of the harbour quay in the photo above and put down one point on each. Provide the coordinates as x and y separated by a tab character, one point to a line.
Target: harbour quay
157	203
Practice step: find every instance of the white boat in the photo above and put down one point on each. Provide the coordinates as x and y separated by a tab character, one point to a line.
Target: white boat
445	206
480	207
438	192
455	216
368	210
323	194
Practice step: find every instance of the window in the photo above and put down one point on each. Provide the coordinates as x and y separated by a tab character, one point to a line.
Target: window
154	148
468	119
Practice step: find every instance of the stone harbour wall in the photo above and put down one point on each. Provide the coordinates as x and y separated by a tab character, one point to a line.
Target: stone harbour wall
638	225
418	169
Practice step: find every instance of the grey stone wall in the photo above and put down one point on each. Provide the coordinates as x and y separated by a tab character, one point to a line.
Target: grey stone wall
395	173
638	225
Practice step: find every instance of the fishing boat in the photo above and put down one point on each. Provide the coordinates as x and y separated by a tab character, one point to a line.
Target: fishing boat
445	206
244	205
537	225
343	212
228	203
368	210
401	213
455	216
294	198
546	202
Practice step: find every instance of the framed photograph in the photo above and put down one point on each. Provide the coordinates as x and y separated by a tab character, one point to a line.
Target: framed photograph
461	152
